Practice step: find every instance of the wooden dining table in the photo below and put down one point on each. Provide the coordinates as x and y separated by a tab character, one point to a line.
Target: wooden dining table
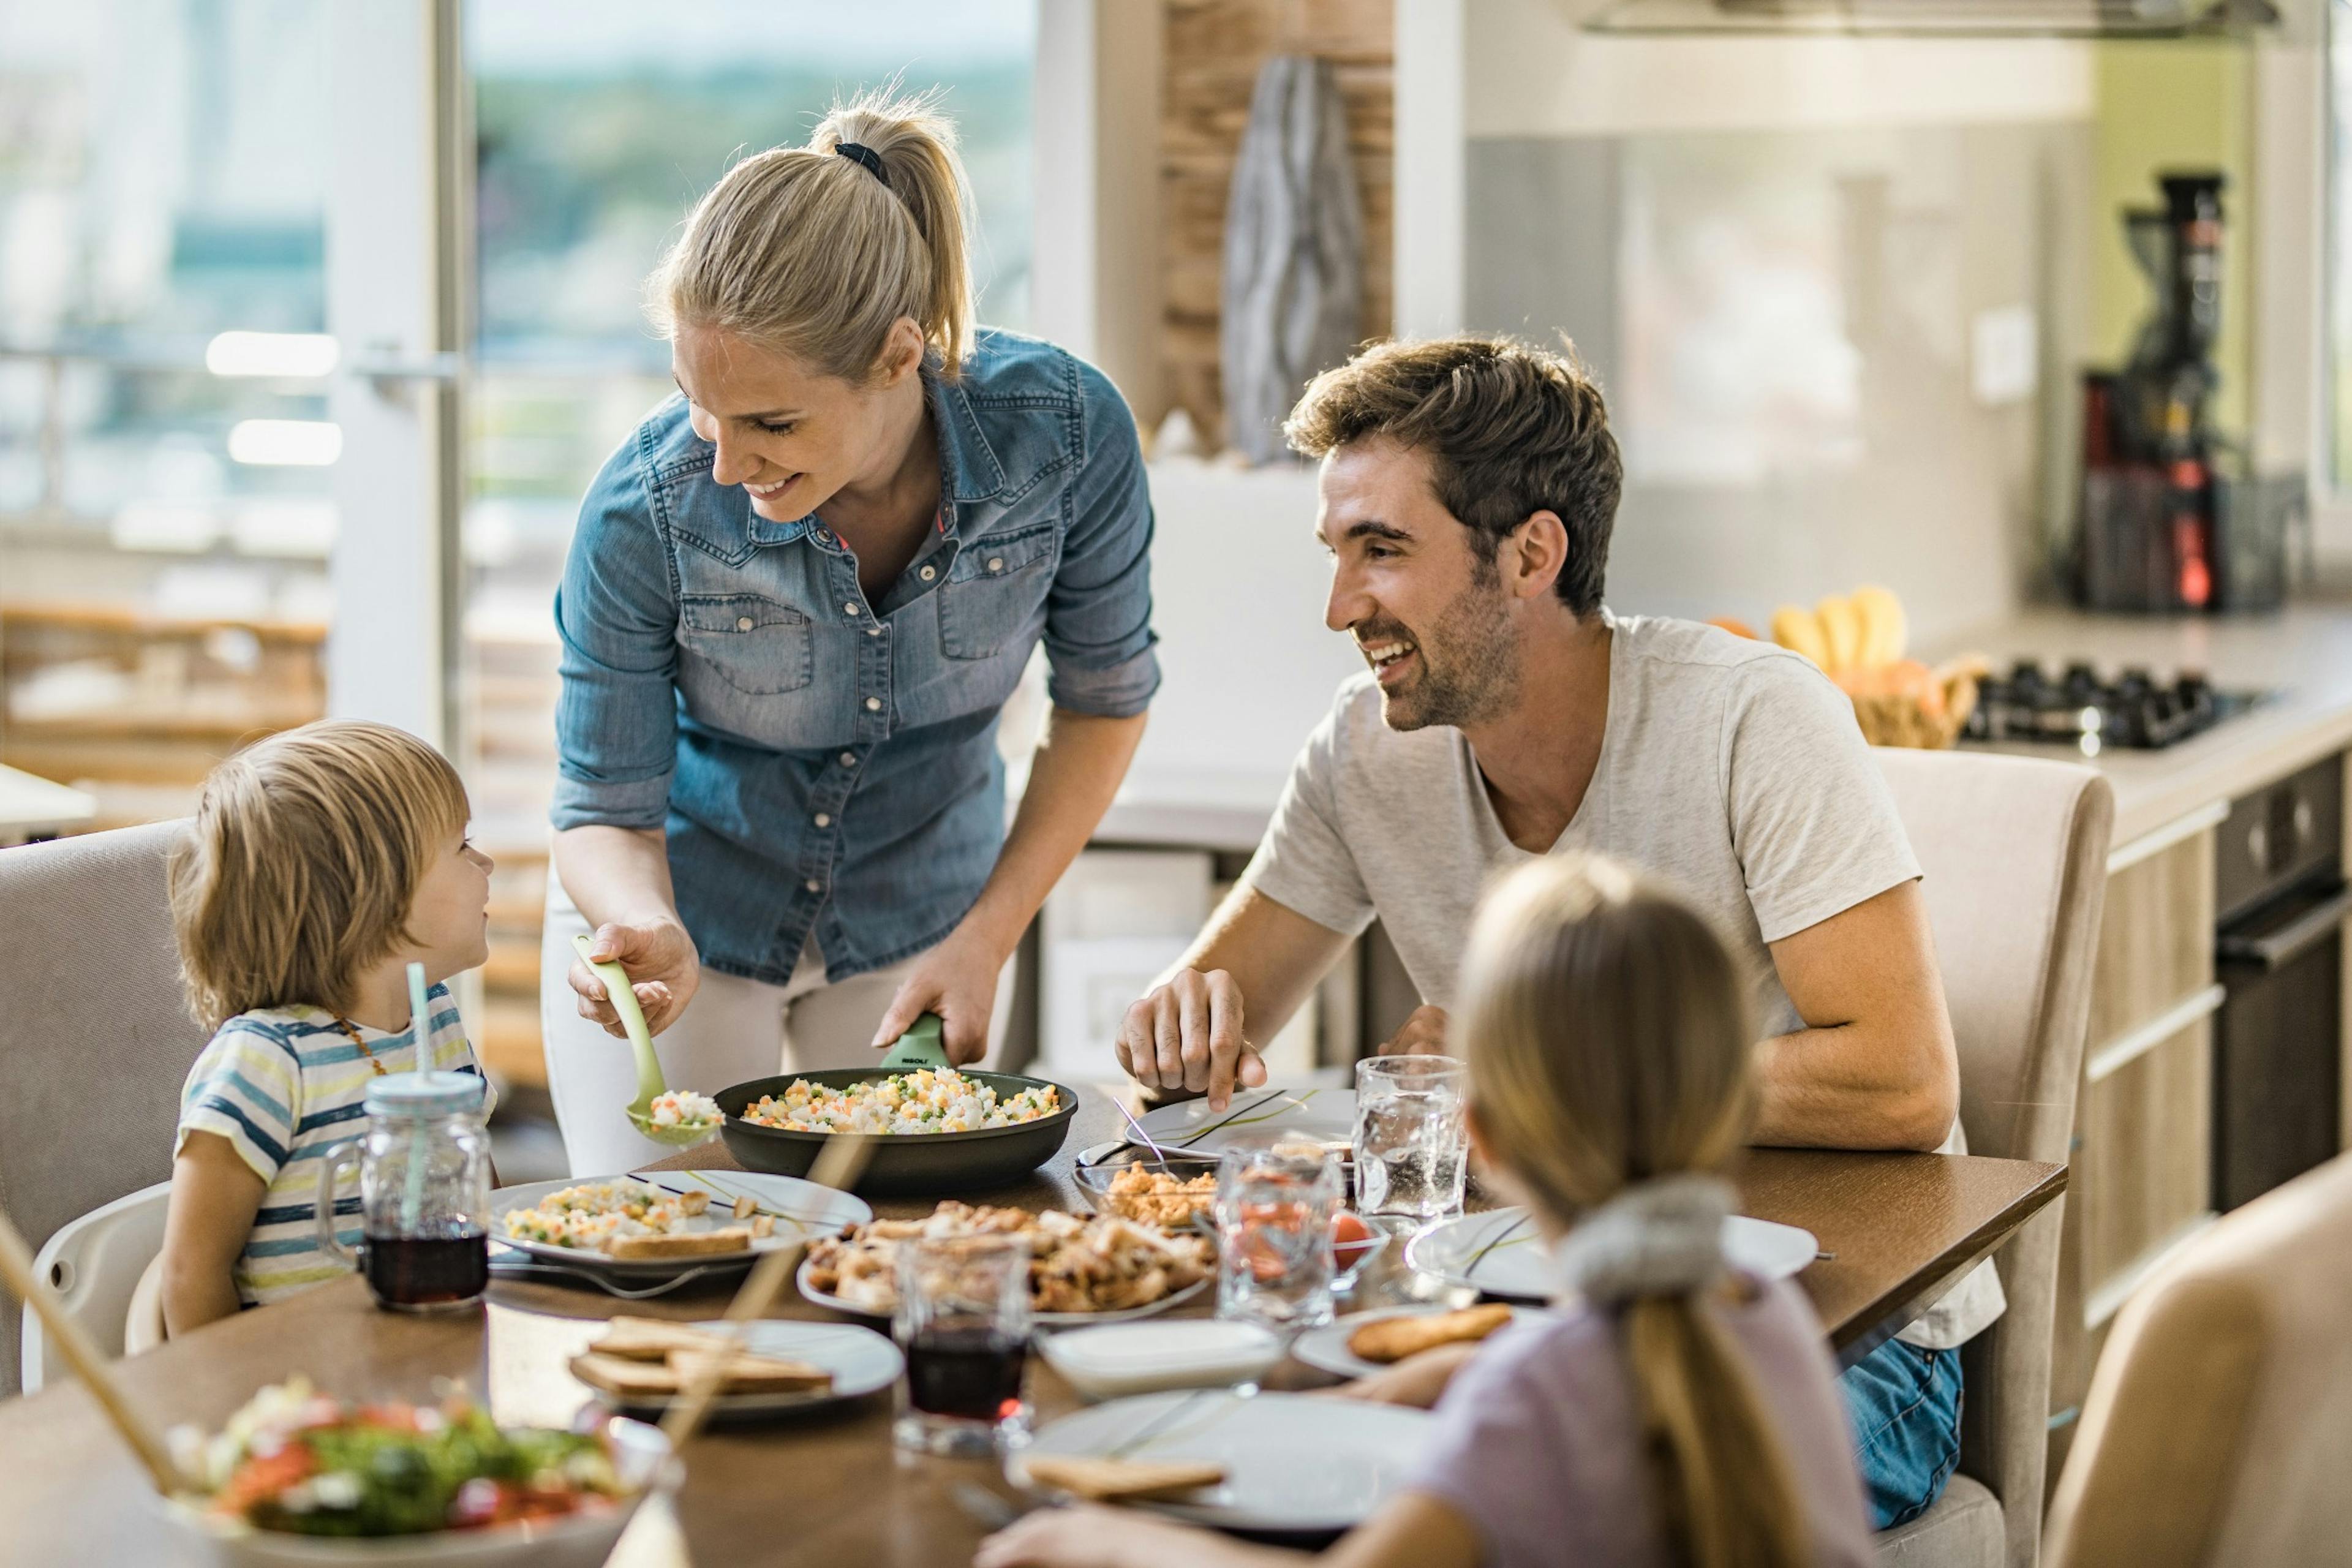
827	1487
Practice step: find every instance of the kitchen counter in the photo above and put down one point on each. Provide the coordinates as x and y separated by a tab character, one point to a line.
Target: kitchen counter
2302	656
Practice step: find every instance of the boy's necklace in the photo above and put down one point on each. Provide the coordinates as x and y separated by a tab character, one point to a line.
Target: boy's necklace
351	1032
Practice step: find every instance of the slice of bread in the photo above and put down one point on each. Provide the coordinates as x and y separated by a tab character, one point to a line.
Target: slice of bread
652	1339
1393	1339
1122	1481
690	1244
748	1373
619	1374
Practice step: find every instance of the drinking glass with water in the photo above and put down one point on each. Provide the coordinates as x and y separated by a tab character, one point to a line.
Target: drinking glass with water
1276	1199
1412	1139
963	1321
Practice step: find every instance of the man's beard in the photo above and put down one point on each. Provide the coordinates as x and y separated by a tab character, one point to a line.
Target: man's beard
1469	663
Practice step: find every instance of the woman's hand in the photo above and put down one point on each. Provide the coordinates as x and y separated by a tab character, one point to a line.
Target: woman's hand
663	967
1091	1537
957	979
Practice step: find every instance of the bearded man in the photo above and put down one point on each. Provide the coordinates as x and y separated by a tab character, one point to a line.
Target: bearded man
1467	493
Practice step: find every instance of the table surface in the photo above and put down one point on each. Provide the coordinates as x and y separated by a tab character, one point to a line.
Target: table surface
827	1487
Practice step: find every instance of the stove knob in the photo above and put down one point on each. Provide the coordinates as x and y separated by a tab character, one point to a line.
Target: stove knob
2194	684
2136	678
2026	675
2081	683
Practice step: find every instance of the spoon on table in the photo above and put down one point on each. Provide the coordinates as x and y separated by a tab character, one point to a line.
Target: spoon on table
650	1086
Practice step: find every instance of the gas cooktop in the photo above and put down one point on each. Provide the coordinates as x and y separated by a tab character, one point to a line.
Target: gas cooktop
2081	709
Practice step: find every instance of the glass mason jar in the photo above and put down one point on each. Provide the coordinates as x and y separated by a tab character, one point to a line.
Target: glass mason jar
424	1203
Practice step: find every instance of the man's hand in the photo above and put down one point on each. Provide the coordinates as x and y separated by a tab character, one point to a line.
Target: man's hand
957	979
1187	1033
1421	1035
662	966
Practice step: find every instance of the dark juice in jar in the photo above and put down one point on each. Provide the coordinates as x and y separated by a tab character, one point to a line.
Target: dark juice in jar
428	1270
974	1373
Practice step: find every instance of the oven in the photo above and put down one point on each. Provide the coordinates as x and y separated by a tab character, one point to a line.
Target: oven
2283	904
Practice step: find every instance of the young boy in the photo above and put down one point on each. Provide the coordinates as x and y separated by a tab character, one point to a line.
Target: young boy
322	862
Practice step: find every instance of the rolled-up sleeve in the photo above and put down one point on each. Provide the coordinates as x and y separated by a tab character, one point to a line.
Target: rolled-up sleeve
617	617
1099	641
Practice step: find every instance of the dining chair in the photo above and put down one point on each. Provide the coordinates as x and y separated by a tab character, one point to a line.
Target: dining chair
98	1265
2219	1425
94	1029
2014	855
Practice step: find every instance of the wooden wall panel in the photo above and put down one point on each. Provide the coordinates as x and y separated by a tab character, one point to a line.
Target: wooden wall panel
1214	49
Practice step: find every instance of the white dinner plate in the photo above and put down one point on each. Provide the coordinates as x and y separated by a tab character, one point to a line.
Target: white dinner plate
804	1210
1325	1115
1517	1263
861	1361
1326	1349
1292	1461
1041	1320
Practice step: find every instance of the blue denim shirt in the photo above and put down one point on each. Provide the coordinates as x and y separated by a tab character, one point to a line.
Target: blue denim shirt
822	764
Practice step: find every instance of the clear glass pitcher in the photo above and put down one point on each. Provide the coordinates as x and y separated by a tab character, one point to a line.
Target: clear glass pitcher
424	1202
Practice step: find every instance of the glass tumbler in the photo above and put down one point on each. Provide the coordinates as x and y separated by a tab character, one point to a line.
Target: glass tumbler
423	1193
1412	1140
1275	1200
963	1321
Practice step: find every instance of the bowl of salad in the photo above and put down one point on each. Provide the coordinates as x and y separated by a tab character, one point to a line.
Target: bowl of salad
298	1479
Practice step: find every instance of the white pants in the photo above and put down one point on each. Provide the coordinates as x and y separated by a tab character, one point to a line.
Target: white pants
733	1030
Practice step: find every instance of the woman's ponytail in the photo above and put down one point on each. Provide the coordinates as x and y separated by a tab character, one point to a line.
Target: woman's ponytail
818	252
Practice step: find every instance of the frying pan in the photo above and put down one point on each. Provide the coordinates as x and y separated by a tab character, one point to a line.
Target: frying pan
916	1164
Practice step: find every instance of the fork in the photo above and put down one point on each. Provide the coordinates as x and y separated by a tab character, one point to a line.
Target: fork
556	1271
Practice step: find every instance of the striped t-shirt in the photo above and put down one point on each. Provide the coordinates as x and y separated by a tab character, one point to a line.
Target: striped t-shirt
284	1085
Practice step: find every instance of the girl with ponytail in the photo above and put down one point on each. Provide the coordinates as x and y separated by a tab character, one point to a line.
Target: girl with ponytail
798	599
1671	1413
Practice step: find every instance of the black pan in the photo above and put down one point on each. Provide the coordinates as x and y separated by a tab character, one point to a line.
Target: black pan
904	1165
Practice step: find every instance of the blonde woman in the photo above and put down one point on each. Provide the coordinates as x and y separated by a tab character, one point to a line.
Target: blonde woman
1672	1413
798	599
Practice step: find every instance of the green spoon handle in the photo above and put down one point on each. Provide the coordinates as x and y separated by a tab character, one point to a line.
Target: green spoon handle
633	1019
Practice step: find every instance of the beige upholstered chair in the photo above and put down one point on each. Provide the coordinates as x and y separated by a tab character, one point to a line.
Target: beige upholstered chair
2014	851
93	1031
2219	1426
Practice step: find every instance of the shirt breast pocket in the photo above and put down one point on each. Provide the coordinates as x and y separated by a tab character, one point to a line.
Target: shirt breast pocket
752	644
995	589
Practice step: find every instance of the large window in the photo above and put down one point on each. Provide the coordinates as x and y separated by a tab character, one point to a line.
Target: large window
164	514
598	123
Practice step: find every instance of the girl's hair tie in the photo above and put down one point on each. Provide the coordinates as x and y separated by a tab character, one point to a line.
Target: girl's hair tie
1661	1237
866	155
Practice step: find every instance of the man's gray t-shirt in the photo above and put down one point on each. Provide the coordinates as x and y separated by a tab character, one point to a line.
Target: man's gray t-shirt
1730	770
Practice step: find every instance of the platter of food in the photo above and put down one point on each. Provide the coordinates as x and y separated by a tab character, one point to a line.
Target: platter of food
658	1225
1082	1268
1363	1343
1286	1462
1325	1116
932	1129
1498	1251
639	1365
296	1479
1171	1199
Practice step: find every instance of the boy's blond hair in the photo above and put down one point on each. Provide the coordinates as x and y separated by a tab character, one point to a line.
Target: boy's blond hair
303	864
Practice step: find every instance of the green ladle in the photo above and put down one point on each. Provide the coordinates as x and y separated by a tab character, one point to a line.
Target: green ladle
650	1086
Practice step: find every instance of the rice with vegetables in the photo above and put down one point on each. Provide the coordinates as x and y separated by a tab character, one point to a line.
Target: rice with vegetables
928	1100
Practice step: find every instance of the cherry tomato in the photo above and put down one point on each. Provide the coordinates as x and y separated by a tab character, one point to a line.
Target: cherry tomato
1349	1236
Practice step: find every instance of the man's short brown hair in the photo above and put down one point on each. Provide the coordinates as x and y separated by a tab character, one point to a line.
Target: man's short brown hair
1511	430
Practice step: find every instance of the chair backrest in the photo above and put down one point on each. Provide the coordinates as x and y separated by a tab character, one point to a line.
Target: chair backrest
94	1030
2014	851
95	1262
2219	1426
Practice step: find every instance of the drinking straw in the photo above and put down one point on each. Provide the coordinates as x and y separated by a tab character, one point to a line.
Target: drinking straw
420	1025
89	1362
